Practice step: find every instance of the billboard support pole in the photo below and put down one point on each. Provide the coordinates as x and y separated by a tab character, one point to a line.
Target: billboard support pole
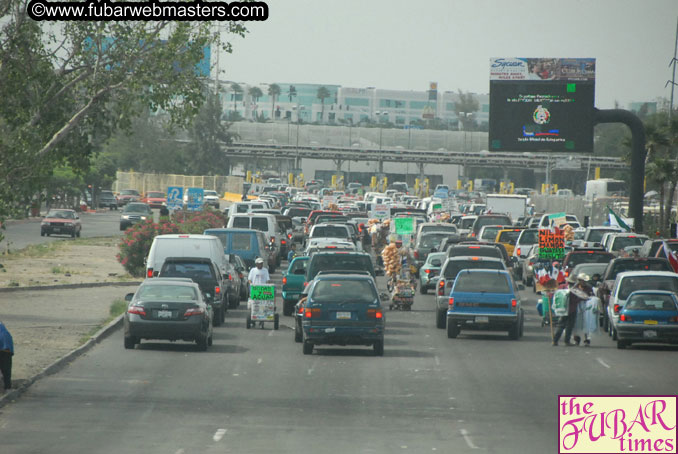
636	191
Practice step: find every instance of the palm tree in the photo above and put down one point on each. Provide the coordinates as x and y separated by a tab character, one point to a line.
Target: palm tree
273	92
292	92
235	90
322	94
467	104
255	93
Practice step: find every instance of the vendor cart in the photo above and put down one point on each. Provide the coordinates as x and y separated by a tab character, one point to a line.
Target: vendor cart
402	295
262	306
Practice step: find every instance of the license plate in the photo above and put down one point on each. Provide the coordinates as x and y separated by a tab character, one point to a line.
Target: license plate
650	322
330	330
482	320
650	333
56	229
343	316
164	314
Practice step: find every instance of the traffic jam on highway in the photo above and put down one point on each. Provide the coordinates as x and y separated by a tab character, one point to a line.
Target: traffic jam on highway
473	253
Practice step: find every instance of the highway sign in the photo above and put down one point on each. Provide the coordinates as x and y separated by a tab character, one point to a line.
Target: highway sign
175	197
195	199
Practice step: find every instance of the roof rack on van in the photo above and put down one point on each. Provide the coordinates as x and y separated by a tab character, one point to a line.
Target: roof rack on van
362	273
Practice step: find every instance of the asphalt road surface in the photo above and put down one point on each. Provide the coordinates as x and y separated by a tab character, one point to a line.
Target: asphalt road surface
254	391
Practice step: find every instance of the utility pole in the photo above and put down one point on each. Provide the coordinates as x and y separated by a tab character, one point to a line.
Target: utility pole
673	79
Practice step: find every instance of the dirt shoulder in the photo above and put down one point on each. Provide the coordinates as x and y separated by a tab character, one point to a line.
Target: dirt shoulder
47	324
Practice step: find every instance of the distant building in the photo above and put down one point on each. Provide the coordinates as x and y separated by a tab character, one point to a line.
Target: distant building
644	108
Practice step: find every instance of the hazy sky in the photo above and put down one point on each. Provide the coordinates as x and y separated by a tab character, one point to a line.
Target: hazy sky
404	45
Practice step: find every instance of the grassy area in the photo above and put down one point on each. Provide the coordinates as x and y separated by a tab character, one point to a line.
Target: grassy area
118	306
43	249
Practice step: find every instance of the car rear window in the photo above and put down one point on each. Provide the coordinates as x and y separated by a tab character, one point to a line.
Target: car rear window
330	232
651	303
343	291
242	222
431	240
584	257
529	237
466	223
167	292
638	265
621	242
490	233
482	283
260	224
491	220
509	237
199	271
596	235
241	241
340	262
455	266
439	228
156	194
632	283
298	212
472	251
61	214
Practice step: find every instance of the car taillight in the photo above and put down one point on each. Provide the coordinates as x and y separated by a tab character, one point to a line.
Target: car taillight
567	273
451	303
625	318
194	311
514	303
149	273
416	254
272	239
518	252
139	310
305	284
283	242
313	312
473	234
375	313
301	309
427	271
289	236
230	277
284	280
616	308
441	287
217	290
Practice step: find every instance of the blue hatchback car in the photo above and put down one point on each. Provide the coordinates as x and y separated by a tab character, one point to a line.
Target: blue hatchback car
484	300
648	316
343	309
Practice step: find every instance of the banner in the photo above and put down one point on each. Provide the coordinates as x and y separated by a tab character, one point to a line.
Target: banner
544	69
551	245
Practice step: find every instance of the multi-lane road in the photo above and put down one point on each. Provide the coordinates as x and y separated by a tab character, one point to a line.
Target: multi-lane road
254	391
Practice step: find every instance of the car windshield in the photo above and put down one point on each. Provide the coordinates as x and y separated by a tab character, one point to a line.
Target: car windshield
136	208
196	271
651	302
344	291
632	283
455	266
61	214
329	232
167	292
530	236
156	195
621	242
211	193
482	283
509	237
431	240
129	192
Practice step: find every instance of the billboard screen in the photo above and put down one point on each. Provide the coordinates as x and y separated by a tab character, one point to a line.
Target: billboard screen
539	104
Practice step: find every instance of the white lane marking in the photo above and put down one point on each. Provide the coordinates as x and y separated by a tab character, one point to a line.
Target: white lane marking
180	451
437	360
270	333
467	439
259	361
603	363
219	434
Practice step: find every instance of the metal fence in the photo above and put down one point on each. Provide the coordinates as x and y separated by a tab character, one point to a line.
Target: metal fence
144	182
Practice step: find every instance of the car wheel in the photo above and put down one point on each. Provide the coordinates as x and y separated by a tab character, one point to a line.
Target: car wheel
614	334
308	348
233	302
78	234
249	321
42	233
209	341
202	343
276	321
298	337
378	348
441	319
288	307
514	331
47	233
217	316
606	324
452	330
122	227
73	234
422	289
130	342
522	326
534	286
621	345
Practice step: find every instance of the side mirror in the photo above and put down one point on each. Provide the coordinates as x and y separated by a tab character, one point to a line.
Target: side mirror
129	297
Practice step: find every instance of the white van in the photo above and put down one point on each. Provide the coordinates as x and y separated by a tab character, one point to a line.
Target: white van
245	207
184	245
265	223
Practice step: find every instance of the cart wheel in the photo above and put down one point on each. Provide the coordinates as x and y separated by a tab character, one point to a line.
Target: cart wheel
390	307
249	321
276	321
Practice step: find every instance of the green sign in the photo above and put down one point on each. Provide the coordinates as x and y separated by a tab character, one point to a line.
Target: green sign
262	292
404	226
437	207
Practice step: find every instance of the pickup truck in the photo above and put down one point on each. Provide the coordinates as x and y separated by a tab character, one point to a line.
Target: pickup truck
293	283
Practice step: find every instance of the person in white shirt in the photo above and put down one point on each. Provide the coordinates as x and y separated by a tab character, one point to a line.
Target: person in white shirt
259	275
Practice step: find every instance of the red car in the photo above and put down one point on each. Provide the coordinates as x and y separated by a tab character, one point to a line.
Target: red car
61	221
128	195
154	199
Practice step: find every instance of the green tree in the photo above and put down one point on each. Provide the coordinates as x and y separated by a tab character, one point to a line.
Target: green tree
467	104
209	133
62	86
255	93
291	92
273	92
322	94
236	90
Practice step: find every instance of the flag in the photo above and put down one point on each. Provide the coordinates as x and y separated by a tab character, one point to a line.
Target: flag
671	256
619	221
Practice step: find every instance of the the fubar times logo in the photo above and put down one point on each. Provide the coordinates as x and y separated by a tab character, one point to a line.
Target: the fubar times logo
617	424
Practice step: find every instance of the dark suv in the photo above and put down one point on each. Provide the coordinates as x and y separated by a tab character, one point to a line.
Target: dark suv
108	200
206	274
339	261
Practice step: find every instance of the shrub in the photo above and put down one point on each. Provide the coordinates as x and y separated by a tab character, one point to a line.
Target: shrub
137	242
198	221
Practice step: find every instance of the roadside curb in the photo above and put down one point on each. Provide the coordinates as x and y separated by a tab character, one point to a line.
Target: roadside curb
13	394
69	286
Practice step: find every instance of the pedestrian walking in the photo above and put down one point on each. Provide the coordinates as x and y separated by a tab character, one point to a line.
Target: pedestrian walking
292	253
258	276
579	291
6	353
